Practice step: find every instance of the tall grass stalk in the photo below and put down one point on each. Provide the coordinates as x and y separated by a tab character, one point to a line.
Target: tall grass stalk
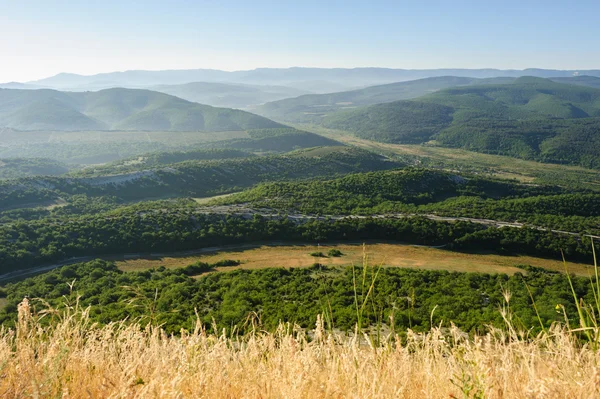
73	358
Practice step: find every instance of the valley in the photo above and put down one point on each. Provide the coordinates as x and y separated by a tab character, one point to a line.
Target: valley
267	200
221	214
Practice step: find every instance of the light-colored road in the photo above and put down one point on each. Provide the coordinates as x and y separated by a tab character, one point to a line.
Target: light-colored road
243	211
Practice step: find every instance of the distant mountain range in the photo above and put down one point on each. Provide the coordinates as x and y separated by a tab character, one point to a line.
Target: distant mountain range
531	118
118	109
229	95
313	78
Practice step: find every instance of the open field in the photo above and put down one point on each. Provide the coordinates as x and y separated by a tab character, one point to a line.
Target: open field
393	255
452	158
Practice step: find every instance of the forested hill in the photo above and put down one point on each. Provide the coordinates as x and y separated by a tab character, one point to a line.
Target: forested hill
195	178
532	118
311	108
118	109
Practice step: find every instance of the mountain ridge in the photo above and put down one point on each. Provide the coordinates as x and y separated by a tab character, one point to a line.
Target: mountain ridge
532	118
351	77
118	109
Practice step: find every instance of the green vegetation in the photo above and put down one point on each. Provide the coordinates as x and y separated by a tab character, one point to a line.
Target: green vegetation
531	118
431	192
118	109
463	161
158	227
336	253
158	159
171	298
11	168
312	108
583	80
101	147
96	147
276	140
192	178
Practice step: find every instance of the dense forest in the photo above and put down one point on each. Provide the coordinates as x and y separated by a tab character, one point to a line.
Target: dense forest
415	298
140	229
425	191
531	118
195	178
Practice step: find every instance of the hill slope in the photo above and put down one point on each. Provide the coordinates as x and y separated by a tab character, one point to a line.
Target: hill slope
118	109
312	108
532	118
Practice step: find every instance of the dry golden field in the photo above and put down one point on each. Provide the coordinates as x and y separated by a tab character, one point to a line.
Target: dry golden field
393	255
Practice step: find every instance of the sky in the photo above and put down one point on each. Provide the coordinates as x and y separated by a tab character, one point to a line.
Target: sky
40	38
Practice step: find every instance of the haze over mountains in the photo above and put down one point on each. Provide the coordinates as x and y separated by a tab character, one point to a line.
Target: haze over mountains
229	95
118	109
340	77
528	117
312	108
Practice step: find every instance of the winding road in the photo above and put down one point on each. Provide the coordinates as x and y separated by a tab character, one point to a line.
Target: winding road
244	211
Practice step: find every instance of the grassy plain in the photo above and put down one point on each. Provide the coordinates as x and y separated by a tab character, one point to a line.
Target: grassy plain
387	254
458	159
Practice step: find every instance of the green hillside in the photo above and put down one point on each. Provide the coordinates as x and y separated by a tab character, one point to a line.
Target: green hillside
11	168
312	108
590	81
229	95
413	191
193	178
532	118
275	140
118	109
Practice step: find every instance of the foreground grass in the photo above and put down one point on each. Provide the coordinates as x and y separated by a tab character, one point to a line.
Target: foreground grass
74	359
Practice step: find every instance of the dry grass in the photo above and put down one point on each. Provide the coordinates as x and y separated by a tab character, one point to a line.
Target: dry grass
393	255
73	359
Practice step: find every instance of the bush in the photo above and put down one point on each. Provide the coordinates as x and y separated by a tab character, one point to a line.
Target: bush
227	262
335	253
318	254
197	268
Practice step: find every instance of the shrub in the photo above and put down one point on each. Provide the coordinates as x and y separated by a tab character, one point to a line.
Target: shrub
318	254
227	262
197	268
336	253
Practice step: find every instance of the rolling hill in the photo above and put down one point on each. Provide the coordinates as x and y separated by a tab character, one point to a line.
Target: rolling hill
311	108
229	95
590	81
196	176
531	118
118	109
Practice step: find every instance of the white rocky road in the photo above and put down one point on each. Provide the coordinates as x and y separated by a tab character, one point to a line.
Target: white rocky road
247	212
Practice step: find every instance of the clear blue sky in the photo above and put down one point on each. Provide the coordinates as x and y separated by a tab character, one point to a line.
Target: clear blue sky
39	38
